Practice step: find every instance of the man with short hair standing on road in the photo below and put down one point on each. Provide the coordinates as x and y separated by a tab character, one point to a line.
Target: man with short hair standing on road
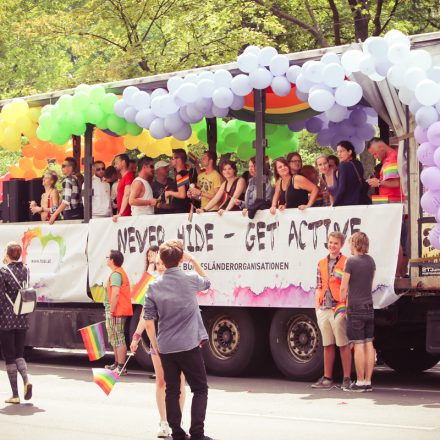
330	312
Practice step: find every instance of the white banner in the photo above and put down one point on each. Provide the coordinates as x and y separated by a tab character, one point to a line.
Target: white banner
269	261
56	257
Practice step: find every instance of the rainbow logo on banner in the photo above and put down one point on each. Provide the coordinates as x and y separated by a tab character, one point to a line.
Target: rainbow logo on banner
378	200
105	379
338	273
93	338
339	308
140	289
184	180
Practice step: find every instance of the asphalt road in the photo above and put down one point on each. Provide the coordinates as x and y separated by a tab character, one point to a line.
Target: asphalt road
67	405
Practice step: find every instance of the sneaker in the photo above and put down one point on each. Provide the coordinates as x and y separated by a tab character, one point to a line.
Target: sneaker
27	391
355	388
323	383
345	386
111	367
164	430
14	400
368	388
121	371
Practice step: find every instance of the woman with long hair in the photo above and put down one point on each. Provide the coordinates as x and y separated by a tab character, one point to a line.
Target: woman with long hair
50	199
328	180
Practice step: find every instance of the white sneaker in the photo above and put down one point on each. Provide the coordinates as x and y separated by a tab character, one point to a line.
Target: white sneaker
164	430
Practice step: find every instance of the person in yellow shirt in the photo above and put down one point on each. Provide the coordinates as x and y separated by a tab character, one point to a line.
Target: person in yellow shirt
208	181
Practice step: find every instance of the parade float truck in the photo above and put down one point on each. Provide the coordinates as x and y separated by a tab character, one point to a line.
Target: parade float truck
259	309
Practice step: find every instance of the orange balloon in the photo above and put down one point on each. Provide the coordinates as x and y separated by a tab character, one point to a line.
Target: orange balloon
40	153
29	174
25	164
28	150
40	164
16	172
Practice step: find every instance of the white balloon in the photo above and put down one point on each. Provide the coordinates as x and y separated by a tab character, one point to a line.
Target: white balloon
405	95
188	92
281	86
247	62
169	104
241	85
174	83
222	97
302	96
312	71
337	113
333	74
321	100
157	129
427	92
184	133
426	116
207	74
376	47
420	58
191	78
144	118
413	77
128	93
157	106
434	74
261	78
382	66
330	58
303	84
349	93
367	65
237	103
252	49
350	60
219	112
414	105
184	116
206	87
394	35
266	54
222	78
396	76
399	51
119	107
141	100
203	104
173	123
320	87
130	114
193	114
279	65
158	92
292	73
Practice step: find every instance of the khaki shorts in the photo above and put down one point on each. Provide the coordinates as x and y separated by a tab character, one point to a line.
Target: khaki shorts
115	329
333	330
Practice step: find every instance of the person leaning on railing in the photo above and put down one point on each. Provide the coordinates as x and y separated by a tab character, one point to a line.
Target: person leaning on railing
50	199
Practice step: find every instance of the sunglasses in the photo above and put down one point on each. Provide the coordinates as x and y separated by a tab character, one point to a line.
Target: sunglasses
100	169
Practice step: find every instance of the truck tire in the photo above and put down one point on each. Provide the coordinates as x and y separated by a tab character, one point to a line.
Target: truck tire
295	344
409	360
142	353
231	340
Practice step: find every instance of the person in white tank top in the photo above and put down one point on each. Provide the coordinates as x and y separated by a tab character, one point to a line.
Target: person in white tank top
141	195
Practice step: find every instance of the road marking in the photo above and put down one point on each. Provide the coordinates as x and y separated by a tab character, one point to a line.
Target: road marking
320	420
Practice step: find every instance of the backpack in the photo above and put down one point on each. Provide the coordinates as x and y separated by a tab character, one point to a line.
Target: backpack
26	299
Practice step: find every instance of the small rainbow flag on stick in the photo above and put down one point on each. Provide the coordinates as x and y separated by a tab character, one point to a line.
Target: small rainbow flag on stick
339	308
94	342
338	273
184	180
105	378
140	289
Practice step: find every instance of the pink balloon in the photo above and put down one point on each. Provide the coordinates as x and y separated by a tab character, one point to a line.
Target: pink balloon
425	154
430	202
420	134
437	216
430	178
433	133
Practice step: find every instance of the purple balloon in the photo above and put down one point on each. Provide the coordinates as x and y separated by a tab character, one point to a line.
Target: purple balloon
437	156
437	216
314	125
434	236
430	202
425	154
420	134
430	178
433	133
297	125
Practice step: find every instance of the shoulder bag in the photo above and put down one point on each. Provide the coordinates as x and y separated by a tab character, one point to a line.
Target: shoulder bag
364	197
26	299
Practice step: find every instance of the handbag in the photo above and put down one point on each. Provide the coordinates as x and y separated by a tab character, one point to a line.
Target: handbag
26	299
364	197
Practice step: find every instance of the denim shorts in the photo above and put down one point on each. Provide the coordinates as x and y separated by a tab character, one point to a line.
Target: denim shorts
360	323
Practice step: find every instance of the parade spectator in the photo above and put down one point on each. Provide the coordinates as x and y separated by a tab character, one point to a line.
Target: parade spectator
101	196
132	166
332	324
160	184
141	195
350	188
124	185
71	205
333	162
13	327
50	199
251	204
295	163
230	191
155	266
328	179
181	201
208	181
291	191
311	174
172	298
111	176
117	304
357	286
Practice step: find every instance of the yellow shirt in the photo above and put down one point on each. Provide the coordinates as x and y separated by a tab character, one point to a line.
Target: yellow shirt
209	183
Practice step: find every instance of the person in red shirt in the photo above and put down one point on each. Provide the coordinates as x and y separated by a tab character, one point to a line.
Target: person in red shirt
122	162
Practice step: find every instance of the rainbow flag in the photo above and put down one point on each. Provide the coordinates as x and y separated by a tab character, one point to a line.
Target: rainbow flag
94	342
105	378
338	273
140	289
184	180
339	308
390	171
378	200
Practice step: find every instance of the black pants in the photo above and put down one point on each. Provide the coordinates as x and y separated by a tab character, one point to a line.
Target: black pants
192	365
12	342
74	214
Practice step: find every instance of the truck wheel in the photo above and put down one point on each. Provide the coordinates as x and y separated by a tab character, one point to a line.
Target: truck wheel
141	355
409	360
231	341
295	343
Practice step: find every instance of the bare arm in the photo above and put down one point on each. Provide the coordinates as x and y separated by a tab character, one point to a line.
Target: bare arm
241	186
215	199
276	197
344	286
115	297
151	332
197	267
58	211
135	196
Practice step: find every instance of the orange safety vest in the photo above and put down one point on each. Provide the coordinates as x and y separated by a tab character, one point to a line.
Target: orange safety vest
334	283
124	307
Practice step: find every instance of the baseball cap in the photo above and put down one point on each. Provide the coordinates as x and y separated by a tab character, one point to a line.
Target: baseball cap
161	164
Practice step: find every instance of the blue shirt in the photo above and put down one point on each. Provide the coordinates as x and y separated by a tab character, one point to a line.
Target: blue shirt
349	187
171	299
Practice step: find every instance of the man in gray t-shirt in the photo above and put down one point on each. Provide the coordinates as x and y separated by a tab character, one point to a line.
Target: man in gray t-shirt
360	287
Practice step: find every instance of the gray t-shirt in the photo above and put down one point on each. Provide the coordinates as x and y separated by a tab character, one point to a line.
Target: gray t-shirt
328	298
361	269
171	299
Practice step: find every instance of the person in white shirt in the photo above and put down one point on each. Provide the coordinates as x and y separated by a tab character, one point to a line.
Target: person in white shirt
141	197
101	198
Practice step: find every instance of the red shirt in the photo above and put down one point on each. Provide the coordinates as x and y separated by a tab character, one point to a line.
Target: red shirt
127	179
389	170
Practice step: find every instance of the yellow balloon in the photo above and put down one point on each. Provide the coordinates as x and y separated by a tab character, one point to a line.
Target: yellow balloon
34	113
12	138
20	107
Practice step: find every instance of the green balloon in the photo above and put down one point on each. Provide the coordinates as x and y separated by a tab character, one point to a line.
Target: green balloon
94	114
108	102
62	122
47	108
245	151
65	103
231	142
97	94
102	124
44	133
202	134
60	137
77	124
80	101
244	132
45	120
133	129
116	124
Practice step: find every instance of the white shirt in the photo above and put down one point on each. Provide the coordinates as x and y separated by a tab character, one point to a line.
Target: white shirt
148	194
101	199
